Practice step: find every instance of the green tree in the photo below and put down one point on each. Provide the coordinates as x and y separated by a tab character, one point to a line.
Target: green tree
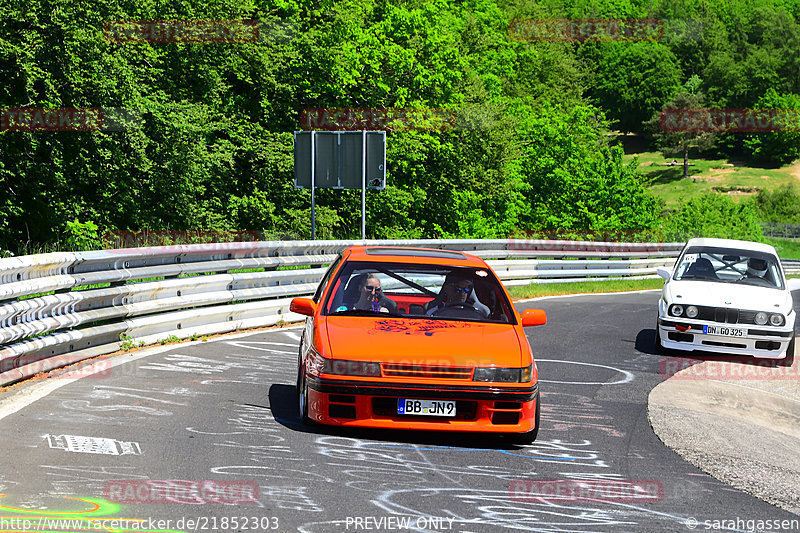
633	81
782	145
683	125
575	181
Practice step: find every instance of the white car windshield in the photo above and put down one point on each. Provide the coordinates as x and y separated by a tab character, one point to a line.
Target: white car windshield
726	265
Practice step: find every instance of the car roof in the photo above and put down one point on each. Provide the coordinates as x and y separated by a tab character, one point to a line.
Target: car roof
731	243
406	254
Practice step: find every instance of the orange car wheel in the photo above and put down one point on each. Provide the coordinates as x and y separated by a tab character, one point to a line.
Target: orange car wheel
302	390
302	399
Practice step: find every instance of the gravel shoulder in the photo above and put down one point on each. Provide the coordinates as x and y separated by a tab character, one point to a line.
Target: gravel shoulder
738	421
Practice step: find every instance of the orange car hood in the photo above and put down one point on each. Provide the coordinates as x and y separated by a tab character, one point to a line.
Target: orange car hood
423	341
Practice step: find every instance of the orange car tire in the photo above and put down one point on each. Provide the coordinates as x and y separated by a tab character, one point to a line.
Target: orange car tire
302	390
302	399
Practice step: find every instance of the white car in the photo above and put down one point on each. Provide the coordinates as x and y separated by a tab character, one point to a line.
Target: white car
727	296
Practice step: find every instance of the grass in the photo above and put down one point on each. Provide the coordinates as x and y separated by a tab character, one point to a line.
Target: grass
536	290
787	248
709	175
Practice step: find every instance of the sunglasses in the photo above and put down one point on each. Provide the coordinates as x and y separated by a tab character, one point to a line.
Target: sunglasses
372	289
463	289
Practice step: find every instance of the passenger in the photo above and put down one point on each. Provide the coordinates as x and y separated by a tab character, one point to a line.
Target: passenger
369	294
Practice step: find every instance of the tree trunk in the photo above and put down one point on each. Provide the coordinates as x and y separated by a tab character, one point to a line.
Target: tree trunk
686	162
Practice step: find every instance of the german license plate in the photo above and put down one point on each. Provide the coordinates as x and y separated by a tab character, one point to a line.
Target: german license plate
725	331
426	407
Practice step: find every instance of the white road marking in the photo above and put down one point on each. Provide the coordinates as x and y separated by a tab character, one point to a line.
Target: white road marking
97	445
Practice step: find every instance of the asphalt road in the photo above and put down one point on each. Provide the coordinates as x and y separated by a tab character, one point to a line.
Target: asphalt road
225	411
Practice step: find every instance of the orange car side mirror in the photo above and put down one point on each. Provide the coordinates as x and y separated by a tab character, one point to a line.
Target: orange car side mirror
533	317
303	306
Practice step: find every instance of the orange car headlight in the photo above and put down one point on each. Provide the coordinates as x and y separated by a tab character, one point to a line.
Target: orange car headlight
315	363
342	367
503	375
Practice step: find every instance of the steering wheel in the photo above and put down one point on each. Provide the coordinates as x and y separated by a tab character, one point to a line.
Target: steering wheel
458	311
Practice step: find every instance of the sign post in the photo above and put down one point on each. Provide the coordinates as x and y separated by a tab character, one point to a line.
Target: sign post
313	188
340	160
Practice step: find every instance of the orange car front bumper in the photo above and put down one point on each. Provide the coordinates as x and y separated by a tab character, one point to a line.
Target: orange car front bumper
481	409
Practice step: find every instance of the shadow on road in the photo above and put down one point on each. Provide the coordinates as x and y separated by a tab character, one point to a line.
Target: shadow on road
674	360
646	341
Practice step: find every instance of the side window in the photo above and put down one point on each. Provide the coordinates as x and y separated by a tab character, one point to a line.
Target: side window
326	278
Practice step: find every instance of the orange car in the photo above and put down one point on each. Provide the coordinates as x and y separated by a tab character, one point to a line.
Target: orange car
416	338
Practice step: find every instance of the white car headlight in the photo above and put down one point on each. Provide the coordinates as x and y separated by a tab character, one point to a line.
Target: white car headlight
676	310
691	311
776	319
761	318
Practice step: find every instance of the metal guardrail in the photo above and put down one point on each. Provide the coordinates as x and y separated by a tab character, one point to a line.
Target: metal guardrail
791	266
60	308
780	229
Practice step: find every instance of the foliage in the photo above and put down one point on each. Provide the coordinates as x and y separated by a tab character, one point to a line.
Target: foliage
670	132
786	248
634	80
712	215
576	182
127	343
779	205
783	145
82	235
209	142
173	339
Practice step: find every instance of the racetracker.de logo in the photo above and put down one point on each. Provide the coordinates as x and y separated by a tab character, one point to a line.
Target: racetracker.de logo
181	492
68	119
36	364
587	490
182	31
729	120
711	370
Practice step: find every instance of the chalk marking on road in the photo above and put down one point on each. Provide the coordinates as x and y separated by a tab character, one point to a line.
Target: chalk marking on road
628	376
37	390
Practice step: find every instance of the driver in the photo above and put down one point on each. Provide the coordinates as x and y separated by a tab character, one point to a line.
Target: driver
456	291
756	268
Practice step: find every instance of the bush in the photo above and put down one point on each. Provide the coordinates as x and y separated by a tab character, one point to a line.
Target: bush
82	235
713	215
780	205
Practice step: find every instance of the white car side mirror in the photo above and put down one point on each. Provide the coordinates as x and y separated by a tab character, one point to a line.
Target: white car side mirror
793	284
664	273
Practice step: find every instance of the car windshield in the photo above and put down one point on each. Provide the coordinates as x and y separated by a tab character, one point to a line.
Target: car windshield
411	290
726	265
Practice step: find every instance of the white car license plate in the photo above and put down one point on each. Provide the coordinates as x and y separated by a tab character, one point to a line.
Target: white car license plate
724	331
426	407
